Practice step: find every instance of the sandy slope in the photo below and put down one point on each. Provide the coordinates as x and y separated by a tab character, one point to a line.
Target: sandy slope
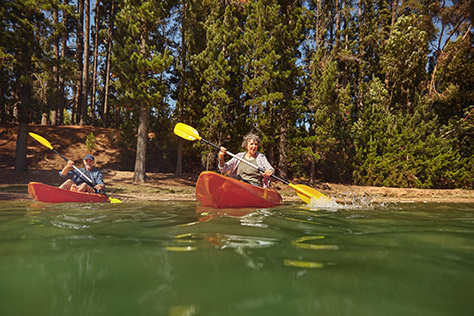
165	186
70	141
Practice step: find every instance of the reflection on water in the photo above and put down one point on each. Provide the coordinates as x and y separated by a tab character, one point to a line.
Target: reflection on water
176	258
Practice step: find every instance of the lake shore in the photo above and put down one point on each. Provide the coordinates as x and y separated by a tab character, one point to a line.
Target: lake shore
168	187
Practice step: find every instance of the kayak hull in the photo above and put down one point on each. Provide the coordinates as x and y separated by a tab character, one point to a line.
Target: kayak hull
218	191
49	194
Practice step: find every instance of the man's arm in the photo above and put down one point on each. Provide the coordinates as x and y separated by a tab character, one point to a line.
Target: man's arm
99	180
65	172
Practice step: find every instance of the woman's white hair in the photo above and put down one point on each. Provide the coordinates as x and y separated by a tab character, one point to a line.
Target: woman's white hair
250	136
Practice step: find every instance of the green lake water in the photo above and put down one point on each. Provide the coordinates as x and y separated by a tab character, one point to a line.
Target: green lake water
174	258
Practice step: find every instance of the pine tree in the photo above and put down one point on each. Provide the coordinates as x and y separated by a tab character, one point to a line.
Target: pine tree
215	76
372	133
405	58
330	108
216	68
140	57
260	62
290	76
23	21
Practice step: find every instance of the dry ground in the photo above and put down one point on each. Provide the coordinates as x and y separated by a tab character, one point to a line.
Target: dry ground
70	141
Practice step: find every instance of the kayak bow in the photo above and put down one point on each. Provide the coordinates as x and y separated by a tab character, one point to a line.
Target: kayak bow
218	191
49	194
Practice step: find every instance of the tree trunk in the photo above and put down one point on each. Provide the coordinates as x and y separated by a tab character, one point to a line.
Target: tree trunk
179	159
105	110
140	159
62	88
360	66
25	95
394	18
394	14
338	23
319	23
283	146
44	118
94	67
209	160
85	69
117	118
21	163
54	111
79	60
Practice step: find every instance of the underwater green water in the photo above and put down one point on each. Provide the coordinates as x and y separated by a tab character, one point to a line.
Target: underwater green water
175	258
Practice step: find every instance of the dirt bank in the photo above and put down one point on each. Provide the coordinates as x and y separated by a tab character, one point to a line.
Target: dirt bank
165	186
70	141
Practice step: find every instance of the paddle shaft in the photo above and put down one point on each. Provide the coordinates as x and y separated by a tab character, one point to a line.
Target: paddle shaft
245	161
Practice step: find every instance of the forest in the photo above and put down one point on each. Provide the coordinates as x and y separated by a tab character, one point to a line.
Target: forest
365	92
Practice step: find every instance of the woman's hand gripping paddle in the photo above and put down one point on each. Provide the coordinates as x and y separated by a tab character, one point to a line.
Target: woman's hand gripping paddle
304	192
47	144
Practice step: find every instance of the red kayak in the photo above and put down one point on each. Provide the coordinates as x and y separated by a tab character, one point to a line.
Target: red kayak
46	193
218	191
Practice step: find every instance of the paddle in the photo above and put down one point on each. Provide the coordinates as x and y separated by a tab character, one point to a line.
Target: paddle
305	192
46	143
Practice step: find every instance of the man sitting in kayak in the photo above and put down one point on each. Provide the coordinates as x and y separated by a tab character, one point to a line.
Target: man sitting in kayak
243	171
77	182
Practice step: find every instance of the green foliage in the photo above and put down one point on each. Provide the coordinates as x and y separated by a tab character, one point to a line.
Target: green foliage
127	140
139	57
23	23
67	118
405	57
329	121
90	142
402	149
454	80
214	62
260	61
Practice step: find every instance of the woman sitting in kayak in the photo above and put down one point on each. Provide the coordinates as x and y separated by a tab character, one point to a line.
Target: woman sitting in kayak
76	182
243	171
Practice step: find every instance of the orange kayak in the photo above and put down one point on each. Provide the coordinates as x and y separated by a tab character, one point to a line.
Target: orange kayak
218	191
46	193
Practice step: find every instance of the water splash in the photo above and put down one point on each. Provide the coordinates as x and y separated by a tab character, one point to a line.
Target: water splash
349	200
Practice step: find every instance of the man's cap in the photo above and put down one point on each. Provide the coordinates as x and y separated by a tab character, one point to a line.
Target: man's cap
89	157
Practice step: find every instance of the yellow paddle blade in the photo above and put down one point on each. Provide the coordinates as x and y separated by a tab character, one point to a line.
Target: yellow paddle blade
41	139
307	193
187	132
114	200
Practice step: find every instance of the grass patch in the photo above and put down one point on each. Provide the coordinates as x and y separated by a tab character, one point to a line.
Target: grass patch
14	189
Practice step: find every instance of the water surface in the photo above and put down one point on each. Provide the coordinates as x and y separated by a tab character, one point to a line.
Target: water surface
176	258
